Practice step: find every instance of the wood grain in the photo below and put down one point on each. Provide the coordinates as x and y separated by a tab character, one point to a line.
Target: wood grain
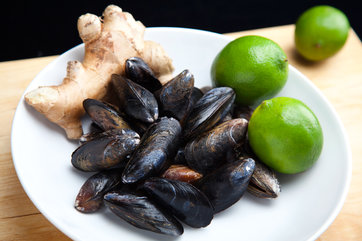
339	78
19	218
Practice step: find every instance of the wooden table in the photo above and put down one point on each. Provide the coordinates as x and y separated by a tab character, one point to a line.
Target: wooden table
339	78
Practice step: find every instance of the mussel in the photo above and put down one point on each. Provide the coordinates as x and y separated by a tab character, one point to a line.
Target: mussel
209	110
263	182
141	212
182	199
104	115
195	96
138	71
135	100
181	173
157	146
227	184
90	196
175	96
108	150
214	147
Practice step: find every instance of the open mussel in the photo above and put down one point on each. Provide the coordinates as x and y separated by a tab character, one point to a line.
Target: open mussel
108	150
181	173
175	96
209	110
227	184
136	101
138	71
90	196
104	115
263	182
182	199
141	212
157	146
214	147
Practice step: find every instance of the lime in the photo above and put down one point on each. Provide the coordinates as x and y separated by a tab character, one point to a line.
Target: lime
254	66
320	32
285	134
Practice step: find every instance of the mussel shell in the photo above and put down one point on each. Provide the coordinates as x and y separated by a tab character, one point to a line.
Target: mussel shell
209	110
135	100
175	96
182	199
263	182
138	71
213	148
141	212
227	184
158	145
90	196
181	173
109	133
195	96
107	151
104	115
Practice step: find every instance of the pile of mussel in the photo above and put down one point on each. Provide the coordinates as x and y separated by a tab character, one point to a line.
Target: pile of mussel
168	153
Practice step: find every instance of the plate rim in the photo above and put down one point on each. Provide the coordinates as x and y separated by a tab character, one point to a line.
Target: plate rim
329	220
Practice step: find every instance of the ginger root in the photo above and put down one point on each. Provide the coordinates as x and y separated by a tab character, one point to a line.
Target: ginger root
108	43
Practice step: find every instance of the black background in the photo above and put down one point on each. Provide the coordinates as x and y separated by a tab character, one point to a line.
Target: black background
42	28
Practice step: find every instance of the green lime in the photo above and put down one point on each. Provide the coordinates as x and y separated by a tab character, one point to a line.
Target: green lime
285	134
255	67
320	32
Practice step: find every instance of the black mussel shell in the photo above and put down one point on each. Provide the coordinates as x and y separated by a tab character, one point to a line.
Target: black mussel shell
106	151
209	110
104	115
158	145
263	182
214	147
138	71
182	199
175	96
141	212
195	96
227	184
135	100
90	196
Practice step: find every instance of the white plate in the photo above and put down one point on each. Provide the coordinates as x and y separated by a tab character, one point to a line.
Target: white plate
307	205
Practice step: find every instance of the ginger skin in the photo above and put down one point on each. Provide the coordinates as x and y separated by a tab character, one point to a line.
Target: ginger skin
108	44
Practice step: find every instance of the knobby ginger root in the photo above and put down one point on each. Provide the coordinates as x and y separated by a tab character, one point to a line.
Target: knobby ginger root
108	43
